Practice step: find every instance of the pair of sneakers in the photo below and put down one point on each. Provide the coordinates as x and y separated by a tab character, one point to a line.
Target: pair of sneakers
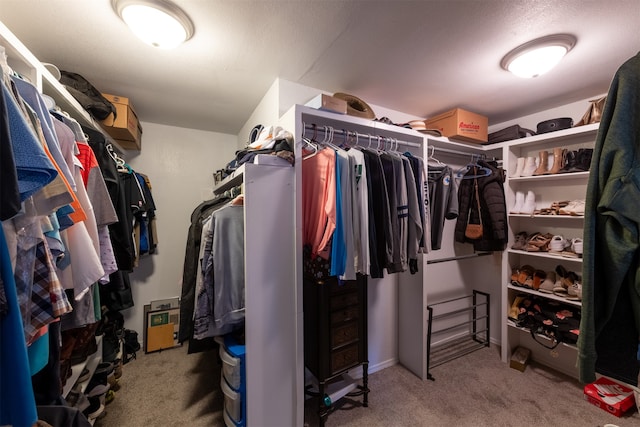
567	248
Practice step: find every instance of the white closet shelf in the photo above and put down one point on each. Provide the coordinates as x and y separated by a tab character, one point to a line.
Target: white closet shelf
559	137
545	295
230	181
545	255
513	325
552	177
561	217
22	61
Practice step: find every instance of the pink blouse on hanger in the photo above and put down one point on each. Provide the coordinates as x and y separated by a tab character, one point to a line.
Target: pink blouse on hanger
319	201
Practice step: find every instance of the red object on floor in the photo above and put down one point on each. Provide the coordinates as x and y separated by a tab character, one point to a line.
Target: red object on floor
609	395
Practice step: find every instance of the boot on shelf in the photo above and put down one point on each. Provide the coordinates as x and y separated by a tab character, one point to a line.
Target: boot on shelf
543	165
529	166
559	155
517	207
519	168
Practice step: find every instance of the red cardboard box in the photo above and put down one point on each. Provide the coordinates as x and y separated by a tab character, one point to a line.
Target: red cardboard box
609	395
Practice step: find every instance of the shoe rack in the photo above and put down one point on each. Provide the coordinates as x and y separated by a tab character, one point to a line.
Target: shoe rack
532	202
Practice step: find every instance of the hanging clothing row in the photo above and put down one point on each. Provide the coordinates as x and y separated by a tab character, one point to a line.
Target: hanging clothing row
58	244
473	194
362	205
213	301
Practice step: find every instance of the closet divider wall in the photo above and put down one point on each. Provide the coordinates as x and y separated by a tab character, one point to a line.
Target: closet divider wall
273	362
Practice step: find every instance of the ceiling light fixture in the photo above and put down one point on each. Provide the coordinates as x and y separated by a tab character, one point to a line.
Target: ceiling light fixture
538	56
156	22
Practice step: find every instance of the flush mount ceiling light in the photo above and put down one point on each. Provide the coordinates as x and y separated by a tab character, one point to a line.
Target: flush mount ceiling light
156	22
536	57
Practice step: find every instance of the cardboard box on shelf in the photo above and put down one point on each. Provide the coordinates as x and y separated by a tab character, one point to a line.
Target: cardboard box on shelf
461	125
328	103
609	395
124	127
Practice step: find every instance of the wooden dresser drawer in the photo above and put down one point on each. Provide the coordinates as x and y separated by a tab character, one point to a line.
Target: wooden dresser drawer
345	314
343	300
344	359
345	334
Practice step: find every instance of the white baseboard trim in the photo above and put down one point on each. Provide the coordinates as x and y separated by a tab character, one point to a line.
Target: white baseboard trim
357	371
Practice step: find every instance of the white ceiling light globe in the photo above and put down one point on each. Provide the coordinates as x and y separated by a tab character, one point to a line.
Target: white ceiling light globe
539	56
156	22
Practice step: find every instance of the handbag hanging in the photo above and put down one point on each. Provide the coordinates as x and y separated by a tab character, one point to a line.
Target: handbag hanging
474	231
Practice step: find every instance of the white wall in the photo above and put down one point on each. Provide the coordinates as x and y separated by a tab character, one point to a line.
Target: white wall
180	163
265	114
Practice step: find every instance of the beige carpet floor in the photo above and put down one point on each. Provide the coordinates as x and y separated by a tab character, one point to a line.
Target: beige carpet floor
173	388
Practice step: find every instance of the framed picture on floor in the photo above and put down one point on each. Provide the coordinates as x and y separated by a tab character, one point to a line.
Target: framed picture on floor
161	328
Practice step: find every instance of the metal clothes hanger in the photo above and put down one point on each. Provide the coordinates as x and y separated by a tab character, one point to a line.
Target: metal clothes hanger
433	158
479	170
310	142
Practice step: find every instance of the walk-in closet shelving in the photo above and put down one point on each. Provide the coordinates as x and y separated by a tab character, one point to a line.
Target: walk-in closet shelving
548	189
23	62
411	292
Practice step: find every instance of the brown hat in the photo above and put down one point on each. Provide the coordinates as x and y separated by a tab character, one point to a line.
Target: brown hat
355	106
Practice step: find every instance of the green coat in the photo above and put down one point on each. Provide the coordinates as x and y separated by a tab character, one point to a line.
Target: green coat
611	263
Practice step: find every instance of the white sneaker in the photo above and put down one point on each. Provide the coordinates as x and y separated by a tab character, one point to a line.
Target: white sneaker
557	245
529	166
517	207
576	245
519	168
574	208
529	204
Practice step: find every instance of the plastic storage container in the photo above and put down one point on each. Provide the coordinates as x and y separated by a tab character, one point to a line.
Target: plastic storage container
231	369
232	402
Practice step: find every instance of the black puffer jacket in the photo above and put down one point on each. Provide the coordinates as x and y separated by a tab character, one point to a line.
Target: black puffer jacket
492	205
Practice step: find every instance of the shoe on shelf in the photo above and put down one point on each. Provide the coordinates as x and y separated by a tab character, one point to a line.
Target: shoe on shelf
517	207
519	168
571	160
84	376
538	242
573	208
520	241
558	160
576	245
557	245
582	161
539	277
548	283
95	408
529	205
543	164
529	166
574	293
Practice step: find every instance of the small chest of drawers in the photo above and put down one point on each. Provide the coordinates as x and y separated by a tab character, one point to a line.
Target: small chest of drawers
335	330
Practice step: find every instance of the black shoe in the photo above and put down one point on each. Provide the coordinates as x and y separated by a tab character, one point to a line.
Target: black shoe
583	160
571	160
95	408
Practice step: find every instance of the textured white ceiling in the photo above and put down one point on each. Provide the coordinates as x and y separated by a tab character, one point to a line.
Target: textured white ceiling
419	57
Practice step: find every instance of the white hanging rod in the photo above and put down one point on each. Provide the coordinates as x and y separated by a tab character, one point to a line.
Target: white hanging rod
358	138
456	152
